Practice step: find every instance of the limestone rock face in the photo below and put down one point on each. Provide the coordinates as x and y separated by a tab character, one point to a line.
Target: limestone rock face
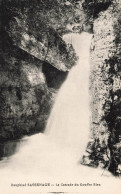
33	55
45	44
23	93
105	87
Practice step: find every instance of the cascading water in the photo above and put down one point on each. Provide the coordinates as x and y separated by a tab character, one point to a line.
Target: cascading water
56	153
67	130
68	124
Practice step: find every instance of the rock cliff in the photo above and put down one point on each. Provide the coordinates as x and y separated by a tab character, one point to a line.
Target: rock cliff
34	62
105	90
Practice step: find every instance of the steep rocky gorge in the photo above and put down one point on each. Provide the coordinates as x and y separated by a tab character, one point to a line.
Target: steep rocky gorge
35	61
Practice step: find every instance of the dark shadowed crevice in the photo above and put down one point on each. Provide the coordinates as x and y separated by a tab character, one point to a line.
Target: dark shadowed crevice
54	77
94	7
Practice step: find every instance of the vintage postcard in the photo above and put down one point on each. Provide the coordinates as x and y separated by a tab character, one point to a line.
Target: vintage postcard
60	97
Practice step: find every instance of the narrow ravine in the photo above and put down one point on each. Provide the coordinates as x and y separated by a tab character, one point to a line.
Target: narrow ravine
57	152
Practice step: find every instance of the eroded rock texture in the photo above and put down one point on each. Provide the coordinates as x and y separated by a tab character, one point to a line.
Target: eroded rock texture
34	61
105	90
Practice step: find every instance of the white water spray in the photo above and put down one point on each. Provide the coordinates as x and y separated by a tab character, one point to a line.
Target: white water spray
68	124
56	153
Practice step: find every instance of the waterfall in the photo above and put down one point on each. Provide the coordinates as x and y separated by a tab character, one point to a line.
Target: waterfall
57	152
68	124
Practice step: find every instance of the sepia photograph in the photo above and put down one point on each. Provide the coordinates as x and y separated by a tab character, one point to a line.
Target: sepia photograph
60	97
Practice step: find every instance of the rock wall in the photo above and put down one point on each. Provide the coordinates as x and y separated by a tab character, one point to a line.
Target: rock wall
105	90
31	53
46	45
23	93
